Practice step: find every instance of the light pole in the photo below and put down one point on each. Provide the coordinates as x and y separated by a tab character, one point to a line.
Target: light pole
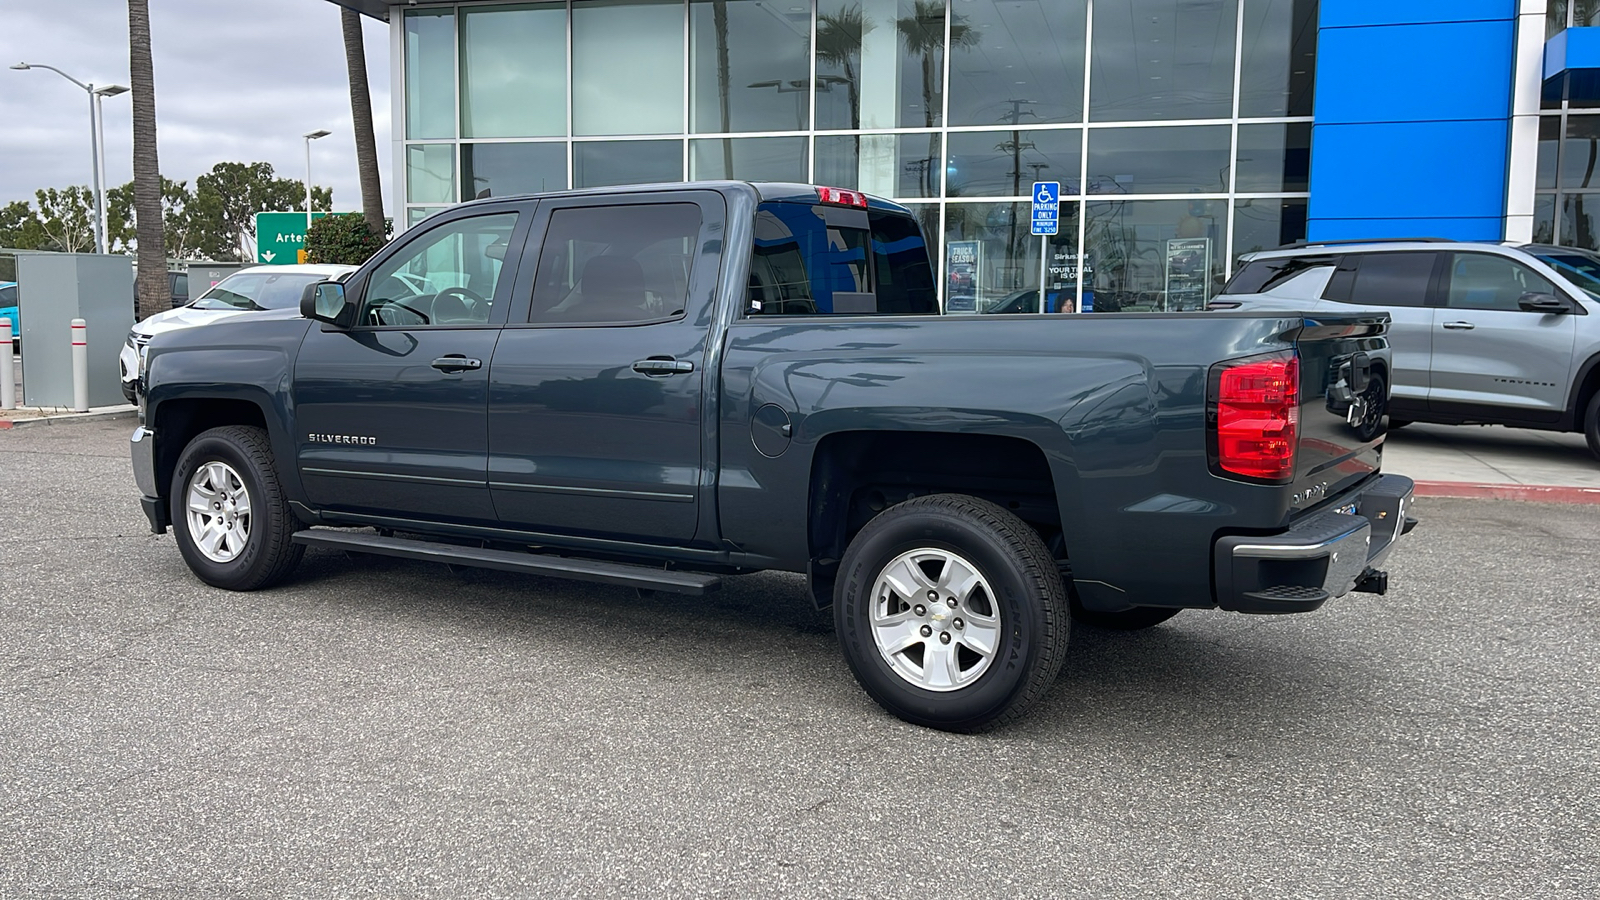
100	93
311	136
96	144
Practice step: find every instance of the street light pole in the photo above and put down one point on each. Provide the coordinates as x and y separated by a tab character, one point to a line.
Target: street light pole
100	93
96	145
311	136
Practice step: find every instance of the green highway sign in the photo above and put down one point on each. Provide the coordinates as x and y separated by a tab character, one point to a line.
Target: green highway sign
280	236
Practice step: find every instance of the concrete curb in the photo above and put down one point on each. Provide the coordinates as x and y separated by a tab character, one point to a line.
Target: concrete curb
1536	493
93	415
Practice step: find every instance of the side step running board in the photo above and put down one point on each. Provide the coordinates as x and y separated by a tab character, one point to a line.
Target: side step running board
622	574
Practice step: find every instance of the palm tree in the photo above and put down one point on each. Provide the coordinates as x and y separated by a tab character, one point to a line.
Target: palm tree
839	38
154	294
355	60
719	17
923	33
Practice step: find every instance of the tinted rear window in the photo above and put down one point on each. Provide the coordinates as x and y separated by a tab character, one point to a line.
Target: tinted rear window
1383	279
834	260
1262	275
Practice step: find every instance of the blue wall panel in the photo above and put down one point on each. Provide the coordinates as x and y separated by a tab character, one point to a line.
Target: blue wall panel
1357	13
1414	73
1412	119
1574	48
1409	170
1367	229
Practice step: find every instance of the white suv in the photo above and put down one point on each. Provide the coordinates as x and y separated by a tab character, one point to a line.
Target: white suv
248	290
1482	333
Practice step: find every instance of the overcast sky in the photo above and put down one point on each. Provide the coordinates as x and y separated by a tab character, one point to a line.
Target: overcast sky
236	80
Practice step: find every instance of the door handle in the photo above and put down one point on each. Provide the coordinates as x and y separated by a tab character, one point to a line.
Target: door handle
1460	326
662	366
456	363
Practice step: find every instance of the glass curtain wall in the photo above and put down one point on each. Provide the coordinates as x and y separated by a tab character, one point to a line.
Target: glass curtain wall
1566	208
1179	132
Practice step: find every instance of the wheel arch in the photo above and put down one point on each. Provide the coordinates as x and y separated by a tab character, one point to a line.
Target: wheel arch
1585	386
178	420
857	474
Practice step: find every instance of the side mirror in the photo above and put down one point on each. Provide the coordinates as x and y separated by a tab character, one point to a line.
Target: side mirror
324	301
1543	303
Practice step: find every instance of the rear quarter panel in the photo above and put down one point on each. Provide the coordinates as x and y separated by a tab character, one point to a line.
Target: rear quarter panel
1115	402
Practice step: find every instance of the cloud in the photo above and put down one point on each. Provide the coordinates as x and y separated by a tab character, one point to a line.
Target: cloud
234	82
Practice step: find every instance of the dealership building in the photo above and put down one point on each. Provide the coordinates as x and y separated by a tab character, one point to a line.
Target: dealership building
1183	133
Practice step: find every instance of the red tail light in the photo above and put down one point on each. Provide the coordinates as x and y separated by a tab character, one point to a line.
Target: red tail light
841	197
1257	416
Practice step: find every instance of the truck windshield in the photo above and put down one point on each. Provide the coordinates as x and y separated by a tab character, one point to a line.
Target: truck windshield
1580	268
257	290
834	260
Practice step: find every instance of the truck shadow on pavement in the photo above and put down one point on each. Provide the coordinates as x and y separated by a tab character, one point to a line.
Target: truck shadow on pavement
1211	672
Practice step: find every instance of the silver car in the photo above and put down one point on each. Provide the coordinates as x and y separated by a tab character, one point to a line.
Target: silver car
1482	333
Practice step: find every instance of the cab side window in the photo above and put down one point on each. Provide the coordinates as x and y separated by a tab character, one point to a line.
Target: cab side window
1483	281
1383	279
603	264
447	277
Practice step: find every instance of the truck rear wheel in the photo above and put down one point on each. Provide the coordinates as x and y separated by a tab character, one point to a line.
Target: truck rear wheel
229	516
951	613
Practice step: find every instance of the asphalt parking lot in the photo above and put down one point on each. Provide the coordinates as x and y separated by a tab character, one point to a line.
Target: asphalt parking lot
385	728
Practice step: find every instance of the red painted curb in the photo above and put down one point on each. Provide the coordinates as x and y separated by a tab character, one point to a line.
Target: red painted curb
5	424
1540	493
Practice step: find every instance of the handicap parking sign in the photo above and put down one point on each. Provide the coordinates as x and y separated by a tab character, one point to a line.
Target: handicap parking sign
1046	207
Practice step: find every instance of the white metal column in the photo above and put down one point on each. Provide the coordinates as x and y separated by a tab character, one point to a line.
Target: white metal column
1523	159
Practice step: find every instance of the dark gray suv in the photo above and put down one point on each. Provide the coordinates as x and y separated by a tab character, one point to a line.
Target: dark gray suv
1482	333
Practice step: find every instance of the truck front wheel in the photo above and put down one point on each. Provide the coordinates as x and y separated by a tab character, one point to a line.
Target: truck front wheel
229	516
951	613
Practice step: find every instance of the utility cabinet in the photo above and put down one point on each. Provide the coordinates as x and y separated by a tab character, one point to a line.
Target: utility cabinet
52	290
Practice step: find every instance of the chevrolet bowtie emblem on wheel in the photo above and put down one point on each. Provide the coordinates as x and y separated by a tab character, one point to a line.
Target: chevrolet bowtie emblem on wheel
315	438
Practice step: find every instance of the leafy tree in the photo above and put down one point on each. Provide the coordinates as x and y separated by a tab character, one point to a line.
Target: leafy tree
67	217
178	226
344	239
227	198
20	228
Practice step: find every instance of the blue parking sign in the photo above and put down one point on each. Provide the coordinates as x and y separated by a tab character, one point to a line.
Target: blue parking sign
1046	207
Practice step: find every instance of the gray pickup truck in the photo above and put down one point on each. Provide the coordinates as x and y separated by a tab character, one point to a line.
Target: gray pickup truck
660	386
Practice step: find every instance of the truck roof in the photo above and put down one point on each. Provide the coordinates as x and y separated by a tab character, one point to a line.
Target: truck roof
775	191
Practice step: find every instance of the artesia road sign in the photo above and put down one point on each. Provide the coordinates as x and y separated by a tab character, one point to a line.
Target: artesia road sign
280	236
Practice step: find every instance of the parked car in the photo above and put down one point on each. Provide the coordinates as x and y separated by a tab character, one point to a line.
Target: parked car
9	309
245	291
1482	333
591	385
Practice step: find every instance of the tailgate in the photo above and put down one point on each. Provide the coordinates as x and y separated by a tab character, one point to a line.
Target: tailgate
1344	396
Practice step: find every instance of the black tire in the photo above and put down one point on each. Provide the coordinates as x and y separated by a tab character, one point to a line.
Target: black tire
1375	405
1135	619
1027	596
268	553
1591	424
